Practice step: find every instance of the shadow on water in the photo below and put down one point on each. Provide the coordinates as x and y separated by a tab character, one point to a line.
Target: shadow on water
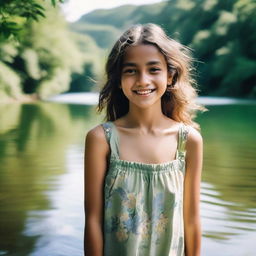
41	178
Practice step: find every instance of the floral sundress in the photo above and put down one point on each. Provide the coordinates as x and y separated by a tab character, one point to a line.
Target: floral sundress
143	213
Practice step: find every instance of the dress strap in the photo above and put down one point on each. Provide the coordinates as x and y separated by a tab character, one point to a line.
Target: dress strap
183	135
107	130
112	138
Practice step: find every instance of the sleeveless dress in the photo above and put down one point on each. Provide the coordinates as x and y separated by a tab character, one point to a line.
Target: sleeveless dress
143	213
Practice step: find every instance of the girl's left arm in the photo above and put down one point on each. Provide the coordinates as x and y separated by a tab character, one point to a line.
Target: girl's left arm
191	210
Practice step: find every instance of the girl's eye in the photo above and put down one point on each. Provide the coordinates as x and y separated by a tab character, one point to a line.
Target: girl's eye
155	70
129	71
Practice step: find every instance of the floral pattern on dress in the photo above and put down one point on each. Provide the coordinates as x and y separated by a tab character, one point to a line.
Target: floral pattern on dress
132	217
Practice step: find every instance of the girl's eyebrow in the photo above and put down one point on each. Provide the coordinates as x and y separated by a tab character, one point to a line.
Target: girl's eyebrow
131	64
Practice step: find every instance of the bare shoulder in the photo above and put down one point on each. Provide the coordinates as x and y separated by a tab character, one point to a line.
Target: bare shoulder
194	137
96	134
194	151
96	146
96	138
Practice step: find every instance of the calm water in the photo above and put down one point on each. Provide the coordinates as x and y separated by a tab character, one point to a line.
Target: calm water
41	179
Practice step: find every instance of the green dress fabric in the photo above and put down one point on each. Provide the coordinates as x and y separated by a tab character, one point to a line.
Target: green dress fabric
143	213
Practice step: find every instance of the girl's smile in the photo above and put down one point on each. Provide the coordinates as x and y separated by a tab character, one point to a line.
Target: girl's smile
144	92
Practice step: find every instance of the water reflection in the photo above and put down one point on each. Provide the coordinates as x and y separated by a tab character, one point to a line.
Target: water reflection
36	141
61	226
41	179
230	147
229	179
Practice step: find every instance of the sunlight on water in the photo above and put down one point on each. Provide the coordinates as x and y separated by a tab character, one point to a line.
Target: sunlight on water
88	98
91	98
62	225
225	228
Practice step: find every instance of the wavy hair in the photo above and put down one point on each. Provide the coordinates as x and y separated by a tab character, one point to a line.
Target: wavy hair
178	102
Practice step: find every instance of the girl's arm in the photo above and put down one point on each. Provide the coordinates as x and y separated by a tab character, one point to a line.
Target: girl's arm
95	165
192	181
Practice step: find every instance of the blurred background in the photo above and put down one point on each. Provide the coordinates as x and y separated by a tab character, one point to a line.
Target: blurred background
52	56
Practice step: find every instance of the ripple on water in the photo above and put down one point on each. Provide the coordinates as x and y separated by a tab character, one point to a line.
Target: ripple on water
224	219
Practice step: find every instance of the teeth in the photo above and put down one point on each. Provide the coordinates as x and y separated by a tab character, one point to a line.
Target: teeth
144	92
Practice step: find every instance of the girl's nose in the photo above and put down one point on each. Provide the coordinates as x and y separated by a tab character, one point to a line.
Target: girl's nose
143	79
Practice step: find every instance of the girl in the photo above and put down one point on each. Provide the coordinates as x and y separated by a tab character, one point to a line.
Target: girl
143	167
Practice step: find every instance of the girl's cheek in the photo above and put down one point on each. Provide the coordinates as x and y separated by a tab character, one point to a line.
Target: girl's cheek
127	79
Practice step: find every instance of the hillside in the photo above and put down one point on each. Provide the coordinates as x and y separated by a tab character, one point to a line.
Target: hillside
122	16
105	25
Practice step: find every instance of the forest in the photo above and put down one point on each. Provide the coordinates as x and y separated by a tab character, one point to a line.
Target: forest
41	54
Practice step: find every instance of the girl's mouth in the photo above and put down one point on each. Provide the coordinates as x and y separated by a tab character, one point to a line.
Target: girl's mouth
144	92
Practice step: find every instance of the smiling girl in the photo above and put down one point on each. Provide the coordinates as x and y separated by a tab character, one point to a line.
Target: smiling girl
143	166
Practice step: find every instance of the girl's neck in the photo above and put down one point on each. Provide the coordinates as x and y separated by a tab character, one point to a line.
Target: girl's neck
145	118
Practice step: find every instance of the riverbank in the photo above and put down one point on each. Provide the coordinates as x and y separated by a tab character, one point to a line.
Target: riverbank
24	98
91	98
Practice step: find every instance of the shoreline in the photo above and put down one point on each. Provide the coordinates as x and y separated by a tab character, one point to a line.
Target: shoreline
31	98
91	98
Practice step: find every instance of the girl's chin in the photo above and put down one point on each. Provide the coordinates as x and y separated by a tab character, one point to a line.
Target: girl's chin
146	104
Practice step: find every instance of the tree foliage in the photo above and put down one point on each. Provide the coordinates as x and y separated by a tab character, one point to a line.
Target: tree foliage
15	13
45	59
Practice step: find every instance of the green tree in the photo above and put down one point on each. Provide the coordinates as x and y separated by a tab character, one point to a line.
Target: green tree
44	60
15	13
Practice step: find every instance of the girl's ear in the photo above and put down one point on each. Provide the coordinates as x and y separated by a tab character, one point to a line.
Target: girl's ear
169	81
172	77
169	78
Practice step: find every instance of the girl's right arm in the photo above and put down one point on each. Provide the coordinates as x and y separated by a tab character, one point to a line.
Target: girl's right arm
95	165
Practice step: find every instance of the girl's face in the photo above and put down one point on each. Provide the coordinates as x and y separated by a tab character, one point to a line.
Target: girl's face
144	76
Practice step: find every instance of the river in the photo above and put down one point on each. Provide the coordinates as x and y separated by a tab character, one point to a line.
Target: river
41	178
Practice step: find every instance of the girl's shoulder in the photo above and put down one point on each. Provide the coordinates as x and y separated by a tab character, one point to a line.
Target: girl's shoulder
96	134
194	137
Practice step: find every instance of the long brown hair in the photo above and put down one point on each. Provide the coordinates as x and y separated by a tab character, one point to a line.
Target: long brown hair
178	102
